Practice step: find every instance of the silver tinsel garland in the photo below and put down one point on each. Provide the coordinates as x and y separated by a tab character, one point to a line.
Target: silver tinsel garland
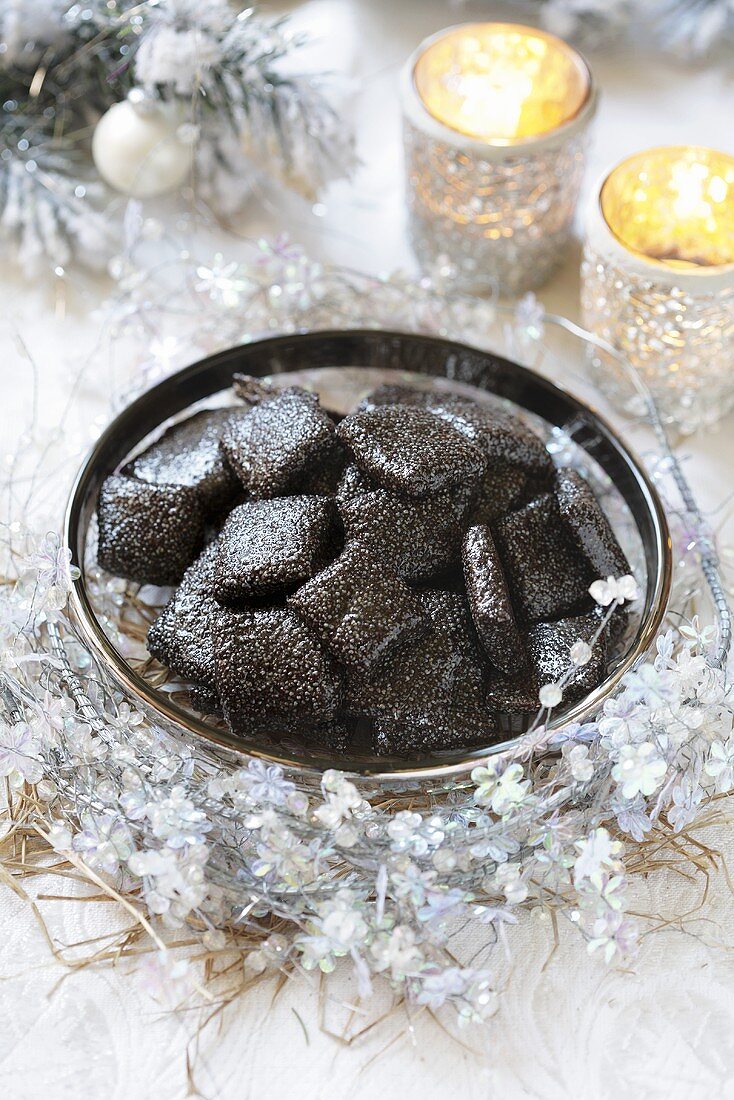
314	873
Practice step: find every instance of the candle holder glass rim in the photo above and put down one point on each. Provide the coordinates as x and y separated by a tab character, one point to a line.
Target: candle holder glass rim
676	272
497	149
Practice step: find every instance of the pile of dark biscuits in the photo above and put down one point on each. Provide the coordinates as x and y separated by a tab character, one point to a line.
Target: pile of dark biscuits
413	572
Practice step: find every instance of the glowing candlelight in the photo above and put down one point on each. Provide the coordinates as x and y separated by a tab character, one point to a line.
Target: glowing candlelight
496	118
658	279
500	82
674	206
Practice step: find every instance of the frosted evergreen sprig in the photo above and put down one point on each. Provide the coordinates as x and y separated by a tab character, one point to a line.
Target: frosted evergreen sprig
63	65
687	27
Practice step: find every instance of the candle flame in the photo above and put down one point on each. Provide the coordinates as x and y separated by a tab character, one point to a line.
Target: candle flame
674	205
500	82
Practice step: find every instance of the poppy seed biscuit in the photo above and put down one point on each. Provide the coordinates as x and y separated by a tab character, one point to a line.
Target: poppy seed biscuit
272	673
513	695
423	676
268	546
188	453
181	636
502	436
458	714
325	478
590	527
395	394
148	533
253	391
416	538
353	483
549	648
205	700
548	577
359	609
448	727
410	451
503	489
276	445
489	602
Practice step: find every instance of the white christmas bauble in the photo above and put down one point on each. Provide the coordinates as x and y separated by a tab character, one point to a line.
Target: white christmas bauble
138	149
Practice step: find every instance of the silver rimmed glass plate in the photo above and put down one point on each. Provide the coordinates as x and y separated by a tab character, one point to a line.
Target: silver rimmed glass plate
342	366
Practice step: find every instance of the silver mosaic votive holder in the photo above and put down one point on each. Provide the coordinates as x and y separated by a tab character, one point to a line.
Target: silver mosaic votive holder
658	282
495	121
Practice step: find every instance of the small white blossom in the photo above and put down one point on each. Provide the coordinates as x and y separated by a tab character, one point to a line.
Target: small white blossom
50	566
598	854
624	720
687	798
500	789
436	987
339	929
56	709
176	820
654	687
342	799
267	783
398	952
402	827
486	777
665	646
694	634
411	883
343	923
632	817
19	753
611	934
104	842
690	671
640	769
440	904
720	764
128	719
59	837
509	878
511	789
86	746
614	590
174	883
257	784
577	757
316	951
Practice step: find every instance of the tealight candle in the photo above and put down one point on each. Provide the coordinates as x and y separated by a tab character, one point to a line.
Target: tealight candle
658	278
495	123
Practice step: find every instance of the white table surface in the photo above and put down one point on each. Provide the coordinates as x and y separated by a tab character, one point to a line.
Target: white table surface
566	1025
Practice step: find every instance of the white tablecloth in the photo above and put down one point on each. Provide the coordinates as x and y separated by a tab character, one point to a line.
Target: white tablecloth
566	1025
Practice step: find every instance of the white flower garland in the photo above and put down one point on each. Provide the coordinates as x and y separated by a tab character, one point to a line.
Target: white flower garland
318	874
